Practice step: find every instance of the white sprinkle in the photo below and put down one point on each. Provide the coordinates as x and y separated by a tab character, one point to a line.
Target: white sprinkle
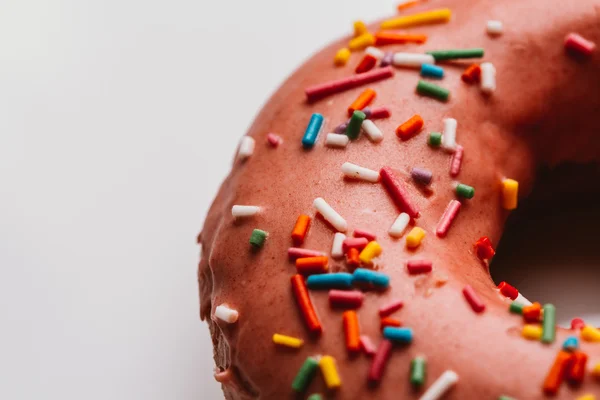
522	300
246	147
494	28
226	314
440	386
412	59
336	249
449	134
330	215
488	78
372	131
357	172
336	140
399	226
244	211
375	52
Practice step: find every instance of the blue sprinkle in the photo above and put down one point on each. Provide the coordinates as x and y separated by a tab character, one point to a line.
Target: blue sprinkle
366	276
432	71
312	131
400	335
339	280
571	343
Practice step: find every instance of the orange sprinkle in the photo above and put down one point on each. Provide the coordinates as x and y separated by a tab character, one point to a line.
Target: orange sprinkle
351	330
557	372
363	100
390	322
311	265
407	4
306	308
472	74
300	229
383	38
366	64
352	257
532	313
410	127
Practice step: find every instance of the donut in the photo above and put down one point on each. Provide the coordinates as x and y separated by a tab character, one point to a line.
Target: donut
347	254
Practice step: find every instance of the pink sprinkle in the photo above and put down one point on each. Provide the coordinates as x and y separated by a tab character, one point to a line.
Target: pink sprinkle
451	212
356	243
456	161
273	139
359	233
367	345
398	192
390	308
473	299
384	351
577	323
295	252
577	43
345	298
379	113
341	85
419	266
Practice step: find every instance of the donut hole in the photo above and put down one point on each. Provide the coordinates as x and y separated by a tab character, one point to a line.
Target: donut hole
550	249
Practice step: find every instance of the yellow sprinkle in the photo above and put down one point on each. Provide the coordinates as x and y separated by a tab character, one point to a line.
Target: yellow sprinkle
596	371
587	397
427	17
362	42
341	57
590	334
414	238
359	28
372	250
532	332
330	373
287	341
510	194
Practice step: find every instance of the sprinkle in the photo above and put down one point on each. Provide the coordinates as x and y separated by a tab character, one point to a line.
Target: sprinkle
352	258
341	280
238	211
506	398
359	28
295	252
354	171
330	373
590	334
379	113
385	322
516	308
336	140
336	247
390	308
494	28
533	312
370	278
399	226
257	238
557	372
488	78
440	386
577	324
345	299
508	291
404	4
397	192
577	368
432	71
587	397
596	371
371	251
472	74
306	308
549	324
367	63
372	131
387	59
246	147
226	314
456	161
380	360
411	59
579	45
473	299
571	343
300	229
410	128
287	341
355	124
351	329
384	38
354	243
447	218
358	233
419	266
465	191
414	237
532	332
341	57
341	128
421	175
429	89
315	396
435	139
325	89
510	193
305	375
330	215
361	42
375	52
449	136
363	100
485	251
522	300
418	371
428	17
312	265
274	140
366	344
456	54
312	131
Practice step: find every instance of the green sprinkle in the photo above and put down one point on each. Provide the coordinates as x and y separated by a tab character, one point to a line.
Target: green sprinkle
418	369
435	139
315	396
258	237
465	191
353	129
516	308
432	90
305	374
549	324
455	54
506	398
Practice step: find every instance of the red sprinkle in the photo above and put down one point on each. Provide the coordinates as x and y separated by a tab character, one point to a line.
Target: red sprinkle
390	308
577	323
358	243
384	351
398	192
366	64
484	249
273	139
449	215
345	298
359	233
456	161
295	252
352	258
390	322
532	313
578	44
379	113
576	370
472	74
419	266
306	308
367	346
508	291
473	299
325	89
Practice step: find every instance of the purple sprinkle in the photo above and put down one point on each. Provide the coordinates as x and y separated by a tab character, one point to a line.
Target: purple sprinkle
341	128
387	59
421	176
